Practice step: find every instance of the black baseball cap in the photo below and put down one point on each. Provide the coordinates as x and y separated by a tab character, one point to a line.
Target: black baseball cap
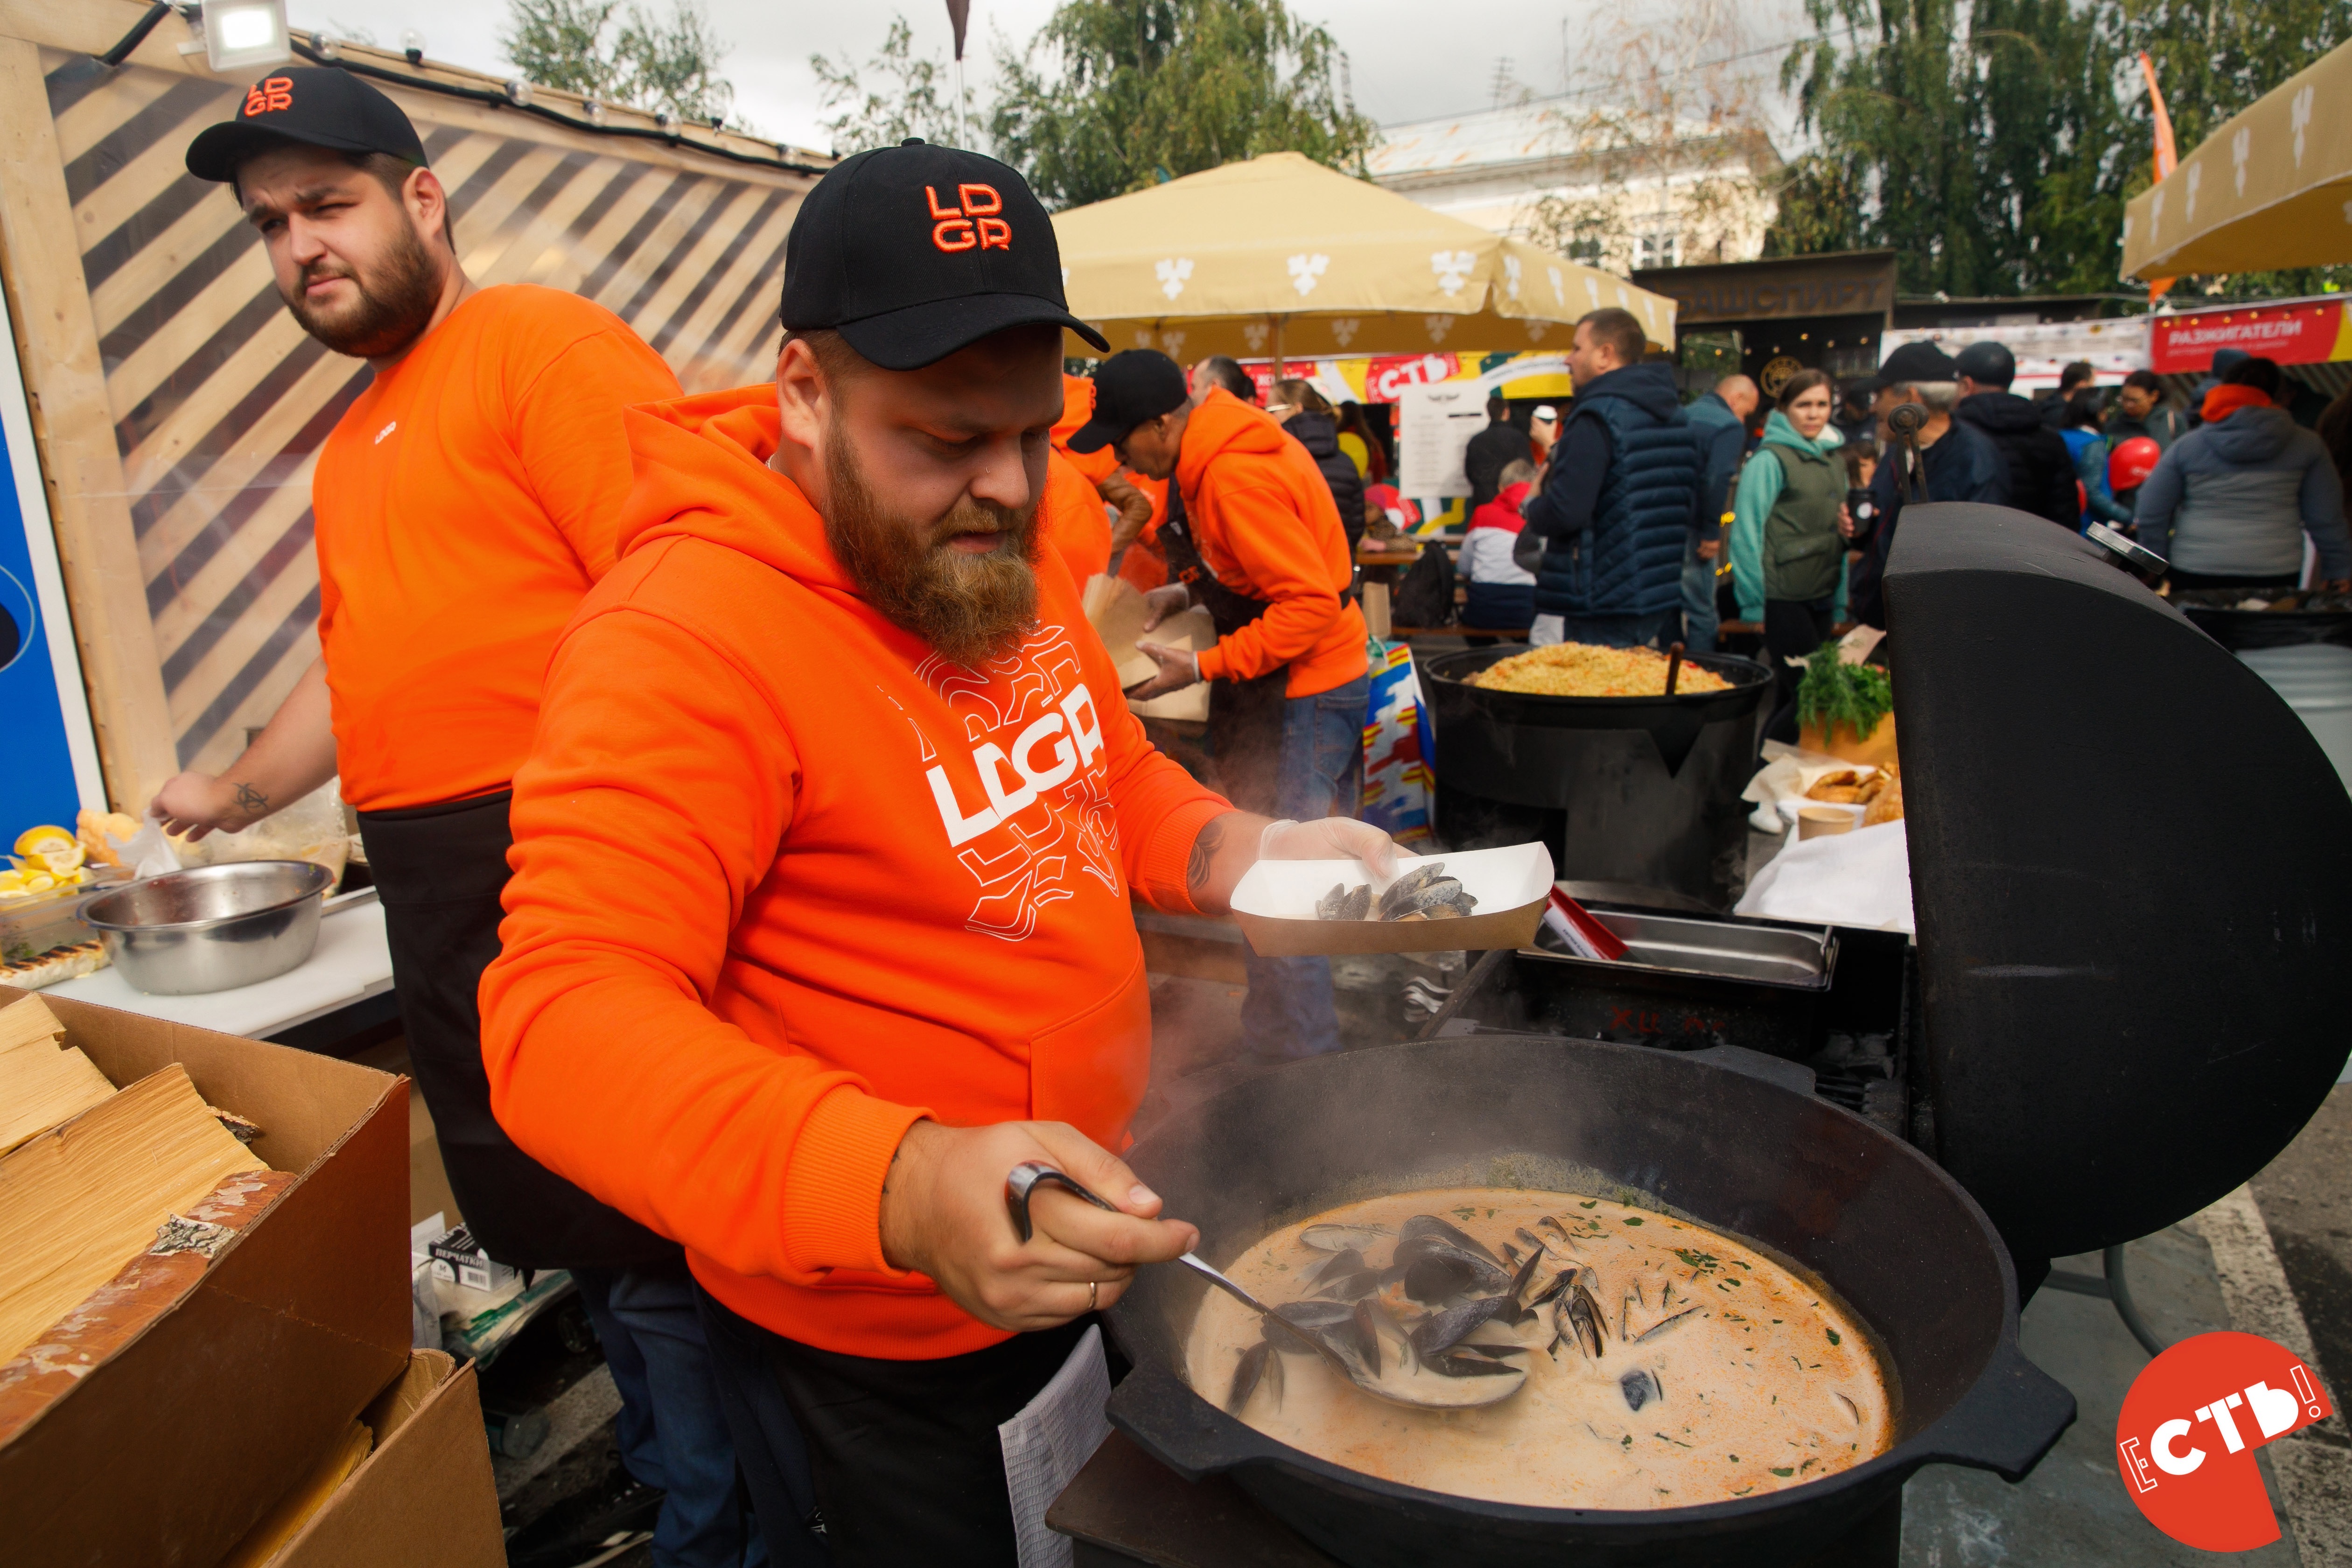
914	252
318	106
1987	364
1914	364
1130	388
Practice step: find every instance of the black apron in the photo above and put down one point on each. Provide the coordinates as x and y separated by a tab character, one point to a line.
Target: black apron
1244	716
439	870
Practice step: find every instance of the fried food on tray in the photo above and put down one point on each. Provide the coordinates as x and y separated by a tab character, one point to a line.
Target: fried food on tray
1888	805
1581	670
1847	787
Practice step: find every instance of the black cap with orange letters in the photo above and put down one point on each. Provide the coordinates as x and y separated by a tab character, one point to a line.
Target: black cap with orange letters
318	106
914	252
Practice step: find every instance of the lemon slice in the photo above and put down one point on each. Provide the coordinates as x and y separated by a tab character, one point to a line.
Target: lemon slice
38	881
12	881
31	840
59	858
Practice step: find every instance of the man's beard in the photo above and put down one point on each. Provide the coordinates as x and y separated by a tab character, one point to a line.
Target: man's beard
969	608
394	306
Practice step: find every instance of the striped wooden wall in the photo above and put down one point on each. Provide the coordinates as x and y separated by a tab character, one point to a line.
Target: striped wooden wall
220	401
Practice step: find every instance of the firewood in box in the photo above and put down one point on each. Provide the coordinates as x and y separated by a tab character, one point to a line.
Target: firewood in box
41	1081
81	1200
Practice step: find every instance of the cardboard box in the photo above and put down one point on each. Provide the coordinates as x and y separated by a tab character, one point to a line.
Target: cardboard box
1274	903
424	1497
157	1426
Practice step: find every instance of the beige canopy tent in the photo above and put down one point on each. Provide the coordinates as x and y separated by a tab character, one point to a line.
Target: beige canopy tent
1282	256
2271	188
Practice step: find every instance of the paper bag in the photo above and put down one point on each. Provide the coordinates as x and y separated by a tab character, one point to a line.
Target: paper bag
1116	610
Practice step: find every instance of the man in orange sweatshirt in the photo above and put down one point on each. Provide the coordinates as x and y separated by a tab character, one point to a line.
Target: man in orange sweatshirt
819	923
1260	544
464	504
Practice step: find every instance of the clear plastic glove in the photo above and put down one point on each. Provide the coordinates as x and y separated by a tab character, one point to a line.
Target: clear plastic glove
1330	838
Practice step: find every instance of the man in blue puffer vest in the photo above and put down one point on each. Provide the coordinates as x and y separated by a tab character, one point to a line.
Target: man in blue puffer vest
1606	533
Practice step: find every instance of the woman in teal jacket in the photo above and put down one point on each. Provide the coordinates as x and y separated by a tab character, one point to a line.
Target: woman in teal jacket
1788	564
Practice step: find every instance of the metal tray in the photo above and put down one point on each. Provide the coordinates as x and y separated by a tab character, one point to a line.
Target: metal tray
1803	957
1686	984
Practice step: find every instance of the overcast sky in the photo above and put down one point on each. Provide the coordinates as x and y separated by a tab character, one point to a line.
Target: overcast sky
1404	64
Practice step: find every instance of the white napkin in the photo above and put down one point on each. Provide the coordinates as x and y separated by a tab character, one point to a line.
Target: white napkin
1047	1444
1858	878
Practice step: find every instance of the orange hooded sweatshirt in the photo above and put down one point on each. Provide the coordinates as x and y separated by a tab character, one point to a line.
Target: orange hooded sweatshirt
1266	524
785	881
1072	519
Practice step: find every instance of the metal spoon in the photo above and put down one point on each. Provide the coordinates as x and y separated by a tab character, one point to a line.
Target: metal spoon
1398	1375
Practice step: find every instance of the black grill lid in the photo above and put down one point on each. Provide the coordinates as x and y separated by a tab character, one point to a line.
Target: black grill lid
2132	870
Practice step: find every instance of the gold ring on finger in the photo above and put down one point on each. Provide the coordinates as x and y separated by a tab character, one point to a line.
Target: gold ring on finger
1094	1294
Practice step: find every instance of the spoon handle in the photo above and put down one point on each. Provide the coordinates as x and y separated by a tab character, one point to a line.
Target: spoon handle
1027	1178
1228	1287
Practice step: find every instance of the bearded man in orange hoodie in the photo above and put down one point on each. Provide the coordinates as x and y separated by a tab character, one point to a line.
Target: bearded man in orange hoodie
1259	542
819	924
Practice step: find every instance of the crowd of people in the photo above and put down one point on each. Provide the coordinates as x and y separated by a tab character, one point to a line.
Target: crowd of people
1789	511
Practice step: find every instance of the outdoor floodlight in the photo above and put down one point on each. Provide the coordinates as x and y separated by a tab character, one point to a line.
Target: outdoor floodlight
242	33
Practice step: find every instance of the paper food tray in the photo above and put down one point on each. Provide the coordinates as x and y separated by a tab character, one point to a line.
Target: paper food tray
1274	904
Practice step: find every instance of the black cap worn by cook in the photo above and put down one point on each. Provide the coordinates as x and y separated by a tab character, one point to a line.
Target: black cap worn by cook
1129	388
1914	364
318	106
914	252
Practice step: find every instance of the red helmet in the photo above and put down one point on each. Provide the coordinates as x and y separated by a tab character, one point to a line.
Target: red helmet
2129	465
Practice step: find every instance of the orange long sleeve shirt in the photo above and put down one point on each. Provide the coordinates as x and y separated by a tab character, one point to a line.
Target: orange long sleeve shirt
785	881
465	502
1266	524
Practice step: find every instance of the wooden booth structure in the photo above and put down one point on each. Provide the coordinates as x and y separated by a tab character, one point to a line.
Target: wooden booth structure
177	407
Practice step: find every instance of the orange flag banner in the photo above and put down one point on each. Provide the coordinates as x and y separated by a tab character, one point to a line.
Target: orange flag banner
2166	157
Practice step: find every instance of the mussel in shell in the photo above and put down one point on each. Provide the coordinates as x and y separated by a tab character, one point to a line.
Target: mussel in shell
1392	898
1441	1332
1343	903
1578	1316
1425	1225
1342	1237
1639	1386
1257	1363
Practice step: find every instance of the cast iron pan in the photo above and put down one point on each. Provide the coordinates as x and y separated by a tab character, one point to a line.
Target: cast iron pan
1892	1236
1674	722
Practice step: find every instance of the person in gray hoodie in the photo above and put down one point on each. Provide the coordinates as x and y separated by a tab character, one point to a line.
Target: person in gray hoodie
2230	502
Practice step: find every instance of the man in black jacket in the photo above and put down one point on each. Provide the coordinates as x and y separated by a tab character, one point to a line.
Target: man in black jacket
1956	462
1492	450
2040	470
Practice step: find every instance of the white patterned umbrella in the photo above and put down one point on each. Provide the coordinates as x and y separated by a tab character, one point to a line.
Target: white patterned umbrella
1282	256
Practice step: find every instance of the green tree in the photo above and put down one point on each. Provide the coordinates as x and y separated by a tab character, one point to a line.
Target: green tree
2213	58
644	62
1113	95
915	99
1994	144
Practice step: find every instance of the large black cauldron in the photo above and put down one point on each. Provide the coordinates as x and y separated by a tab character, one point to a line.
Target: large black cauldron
1864	1213
1638	790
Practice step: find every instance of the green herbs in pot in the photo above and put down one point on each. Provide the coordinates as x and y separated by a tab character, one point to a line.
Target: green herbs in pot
1835	693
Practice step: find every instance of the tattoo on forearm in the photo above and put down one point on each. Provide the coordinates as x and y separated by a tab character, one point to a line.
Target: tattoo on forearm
251	799
1204	849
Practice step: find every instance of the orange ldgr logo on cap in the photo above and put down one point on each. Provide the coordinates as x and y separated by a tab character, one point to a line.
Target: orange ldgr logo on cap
970	223
277	92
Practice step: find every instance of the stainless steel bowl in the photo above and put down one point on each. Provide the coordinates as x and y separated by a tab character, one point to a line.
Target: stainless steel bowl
211	928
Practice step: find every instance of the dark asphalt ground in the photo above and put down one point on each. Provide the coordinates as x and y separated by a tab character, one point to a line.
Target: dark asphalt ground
2306	1197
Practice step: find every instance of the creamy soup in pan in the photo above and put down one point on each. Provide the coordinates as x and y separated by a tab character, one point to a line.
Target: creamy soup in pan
1642	1361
